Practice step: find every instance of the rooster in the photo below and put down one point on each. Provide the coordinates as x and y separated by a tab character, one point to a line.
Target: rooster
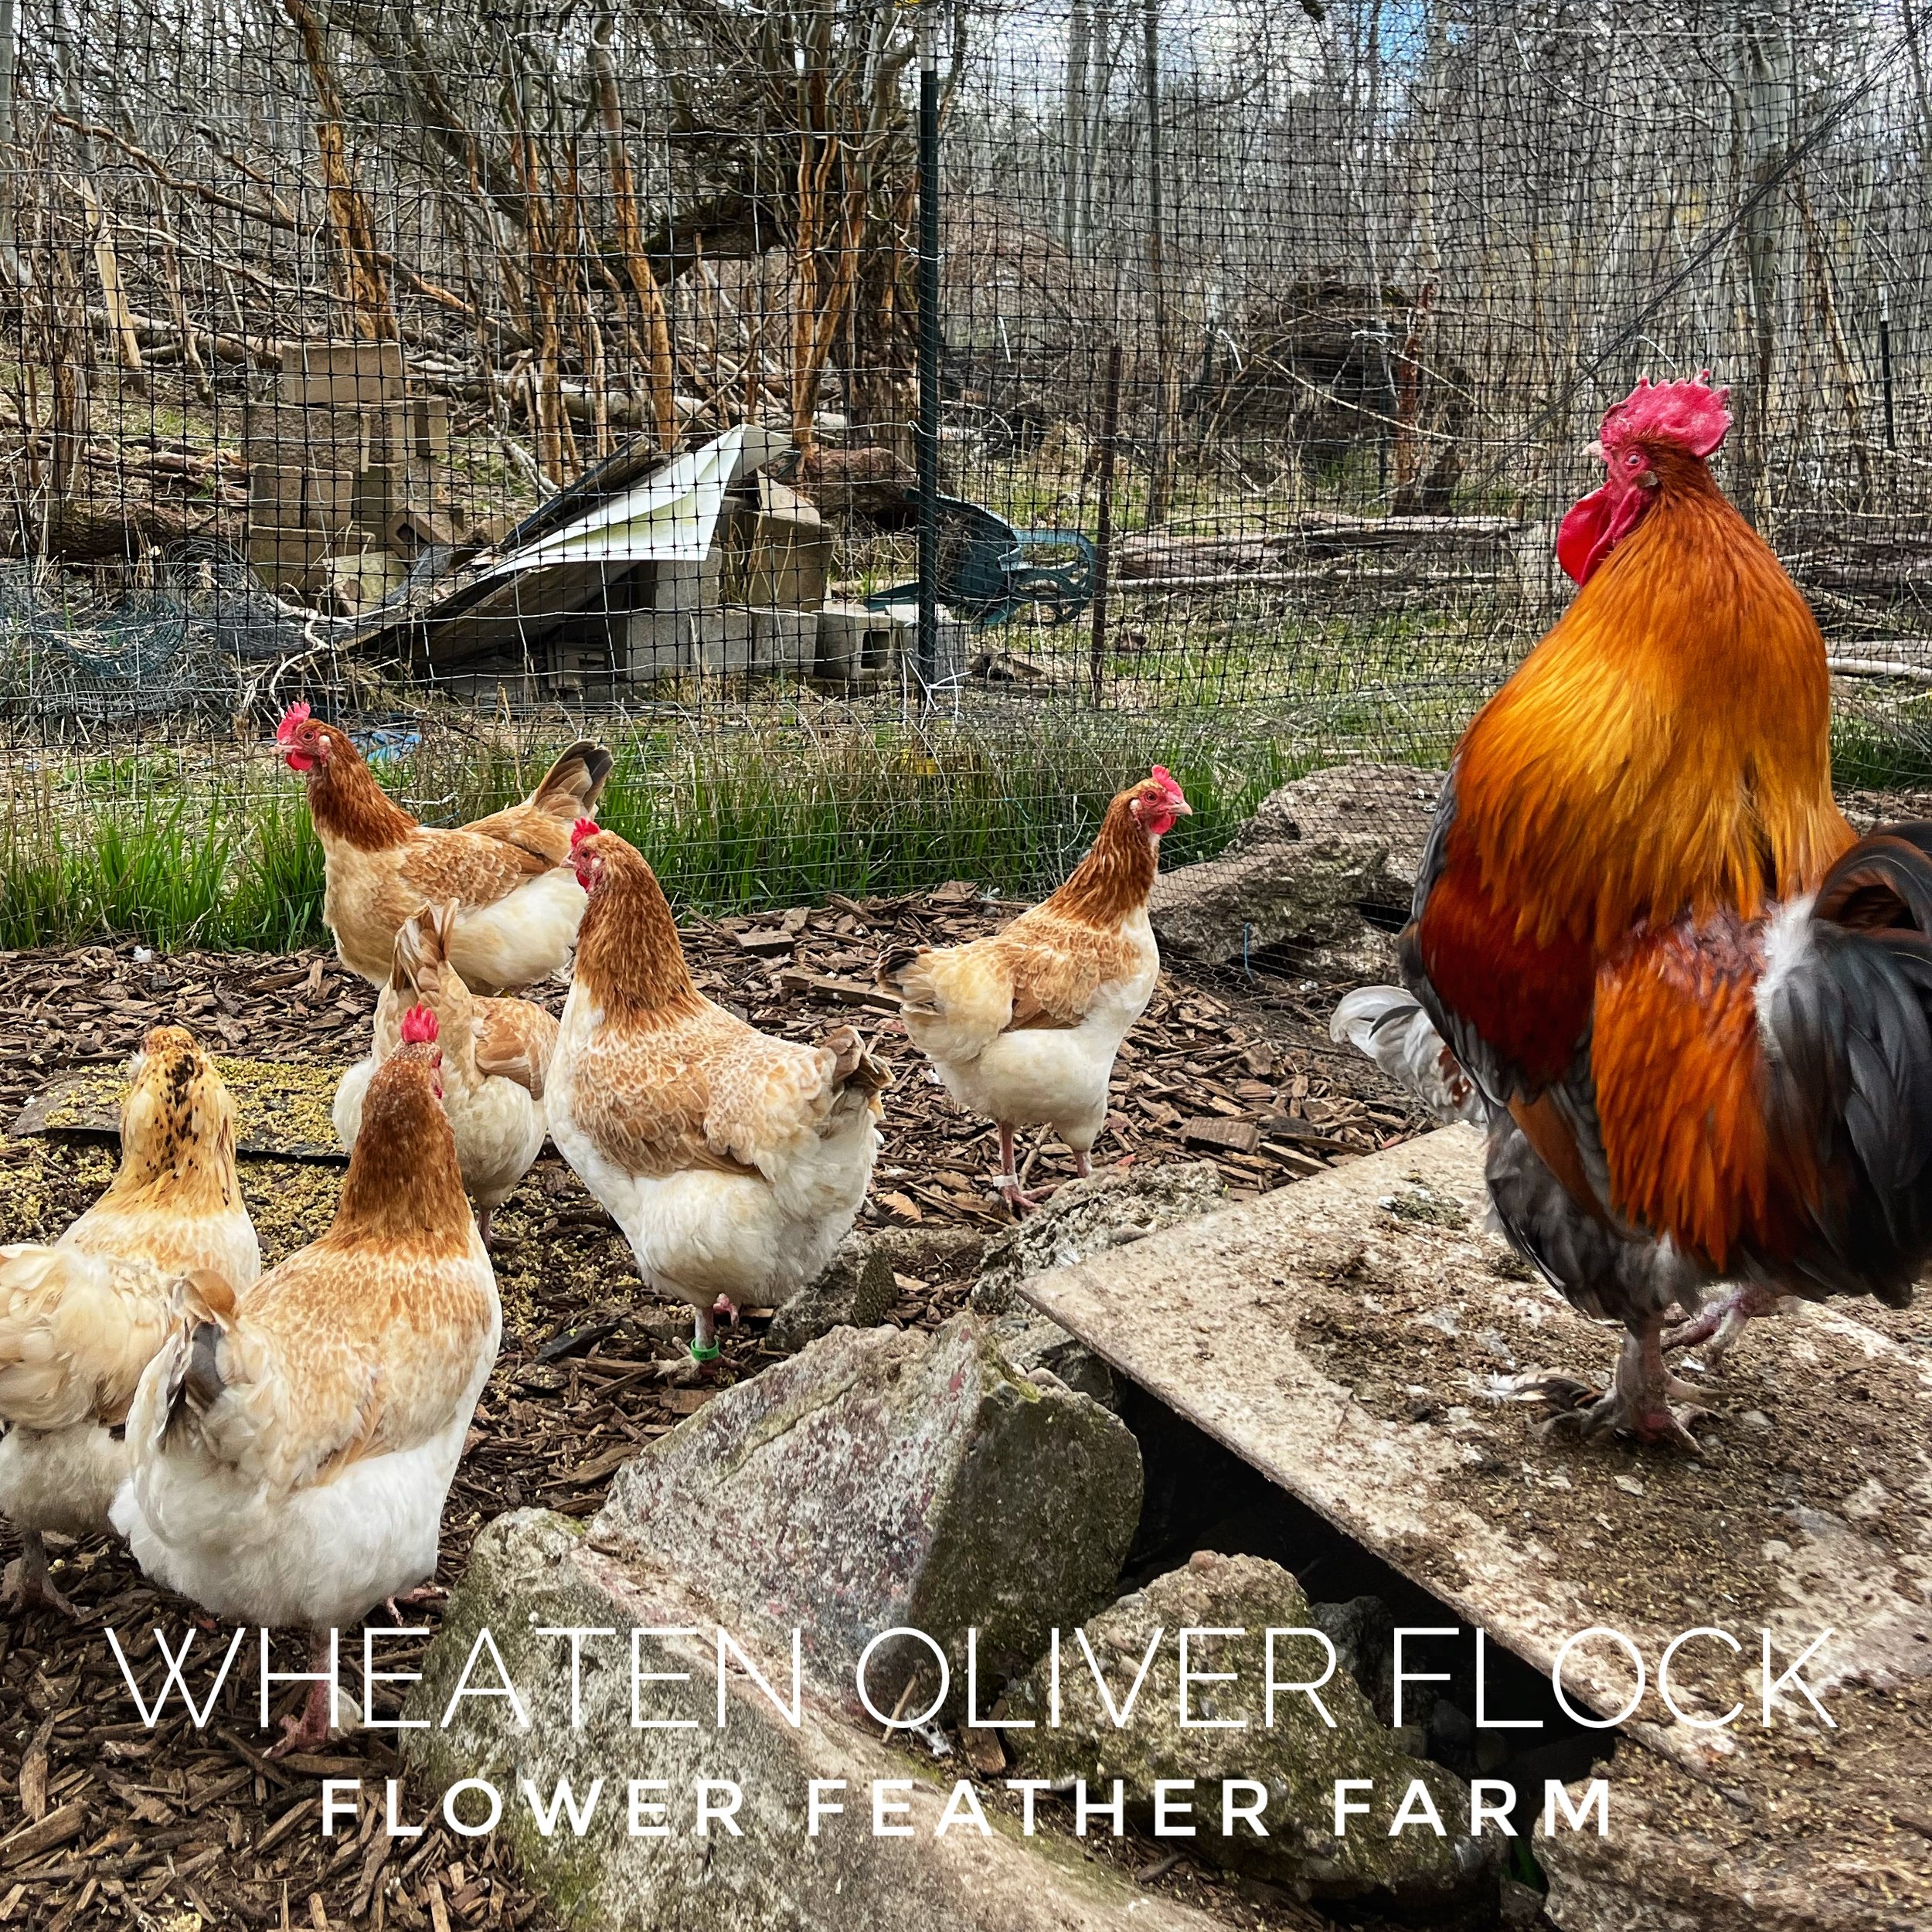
292	1449
1647	953
517	905
734	1163
80	1319
495	1055
1022	1027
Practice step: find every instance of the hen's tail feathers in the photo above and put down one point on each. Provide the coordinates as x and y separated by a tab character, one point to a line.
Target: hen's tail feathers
1390	1027
854	1067
572	785
196	1383
892	964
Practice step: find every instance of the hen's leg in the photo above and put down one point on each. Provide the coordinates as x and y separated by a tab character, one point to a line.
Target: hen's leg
309	1731
1009	1186
1639	1401
704	1343
485	1224
1081	1165
1722	1321
27	1585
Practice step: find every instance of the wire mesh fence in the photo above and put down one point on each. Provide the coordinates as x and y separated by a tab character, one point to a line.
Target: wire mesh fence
484	372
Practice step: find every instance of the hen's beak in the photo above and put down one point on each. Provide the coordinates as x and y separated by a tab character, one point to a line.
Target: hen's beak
1181	808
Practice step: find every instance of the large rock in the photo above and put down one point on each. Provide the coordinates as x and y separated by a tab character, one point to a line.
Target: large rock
1081	1219
1085	1217
533	1572
1300	1760
857	1288
1299	881
883	1479
855	1291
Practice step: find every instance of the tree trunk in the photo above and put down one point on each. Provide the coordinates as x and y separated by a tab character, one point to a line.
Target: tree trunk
359	277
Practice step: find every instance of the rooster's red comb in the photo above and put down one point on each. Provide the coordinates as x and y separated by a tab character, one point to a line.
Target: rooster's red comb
296	714
584	828
1689	416
419	1027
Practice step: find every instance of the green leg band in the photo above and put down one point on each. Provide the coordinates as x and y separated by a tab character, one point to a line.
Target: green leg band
704	1355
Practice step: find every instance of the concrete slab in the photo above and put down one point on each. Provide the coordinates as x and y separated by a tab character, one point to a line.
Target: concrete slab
280	1109
1360	1340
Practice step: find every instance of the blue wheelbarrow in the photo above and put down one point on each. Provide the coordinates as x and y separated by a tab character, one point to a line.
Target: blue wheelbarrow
989	570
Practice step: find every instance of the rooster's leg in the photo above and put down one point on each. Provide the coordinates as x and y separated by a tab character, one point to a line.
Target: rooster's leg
309	1731
1721	1321
28	1586
1639	1401
1015	1197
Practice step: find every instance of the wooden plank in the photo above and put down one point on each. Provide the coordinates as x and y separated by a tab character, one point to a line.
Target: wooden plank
1360	1339
280	1109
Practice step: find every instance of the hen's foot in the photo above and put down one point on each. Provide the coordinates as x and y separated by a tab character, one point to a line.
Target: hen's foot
1082	1165
1014	1195
309	1732
26	1585
419	1598
724	1306
1721	1321
1638	1403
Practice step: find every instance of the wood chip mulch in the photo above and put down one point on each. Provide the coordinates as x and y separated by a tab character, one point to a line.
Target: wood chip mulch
104	1822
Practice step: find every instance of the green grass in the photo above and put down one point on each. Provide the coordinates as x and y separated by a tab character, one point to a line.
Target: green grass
208	849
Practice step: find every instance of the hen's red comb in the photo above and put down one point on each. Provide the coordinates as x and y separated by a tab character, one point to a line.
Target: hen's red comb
584	828
1689	416
419	1027
296	714
1166	779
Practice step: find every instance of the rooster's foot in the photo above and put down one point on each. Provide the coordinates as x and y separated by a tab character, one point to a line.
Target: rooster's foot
1638	1402
1721	1321
27	1586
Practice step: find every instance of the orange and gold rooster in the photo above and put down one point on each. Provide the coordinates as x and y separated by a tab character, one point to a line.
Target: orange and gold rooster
1694	1014
517	905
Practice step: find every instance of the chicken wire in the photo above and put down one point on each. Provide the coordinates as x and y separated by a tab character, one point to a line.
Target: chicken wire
1268	342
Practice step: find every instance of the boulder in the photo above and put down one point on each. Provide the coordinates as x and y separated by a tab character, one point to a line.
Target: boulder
1037	1347
1085	1217
1299	1759
1299	881
1081	1219
1393	805
855	1292
882	1479
857	1289
532	1573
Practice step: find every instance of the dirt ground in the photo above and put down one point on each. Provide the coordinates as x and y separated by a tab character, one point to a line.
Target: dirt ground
103	1822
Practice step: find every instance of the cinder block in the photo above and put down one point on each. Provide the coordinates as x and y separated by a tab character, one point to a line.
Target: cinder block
659	645
784	643
724	638
853	641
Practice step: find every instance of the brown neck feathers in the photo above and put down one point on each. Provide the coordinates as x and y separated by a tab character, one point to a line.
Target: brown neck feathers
403	1183
628	952
1114	879
348	803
